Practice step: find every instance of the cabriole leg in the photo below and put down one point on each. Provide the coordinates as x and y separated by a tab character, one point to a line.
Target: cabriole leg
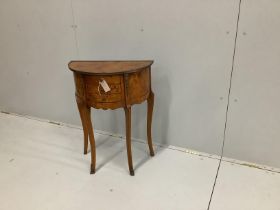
82	110
91	140
128	139
150	103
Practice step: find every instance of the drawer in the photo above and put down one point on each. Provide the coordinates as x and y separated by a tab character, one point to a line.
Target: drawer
94	80
98	90
93	87
104	98
96	94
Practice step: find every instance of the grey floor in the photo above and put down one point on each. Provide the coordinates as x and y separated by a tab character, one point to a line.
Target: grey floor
42	167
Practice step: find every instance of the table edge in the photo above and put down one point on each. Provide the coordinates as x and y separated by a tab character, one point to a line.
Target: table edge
115	73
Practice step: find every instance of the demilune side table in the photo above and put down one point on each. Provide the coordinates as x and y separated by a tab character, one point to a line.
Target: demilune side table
112	85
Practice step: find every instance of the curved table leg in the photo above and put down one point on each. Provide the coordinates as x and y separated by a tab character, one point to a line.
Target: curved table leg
150	103
91	137
128	138
86	135
82	111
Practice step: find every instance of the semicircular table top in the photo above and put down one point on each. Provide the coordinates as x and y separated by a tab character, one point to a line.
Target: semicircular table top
108	67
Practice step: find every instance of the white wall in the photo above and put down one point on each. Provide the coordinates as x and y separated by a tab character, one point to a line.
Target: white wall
254	117
191	42
36	42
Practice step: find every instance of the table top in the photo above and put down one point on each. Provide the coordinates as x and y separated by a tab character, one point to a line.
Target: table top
108	67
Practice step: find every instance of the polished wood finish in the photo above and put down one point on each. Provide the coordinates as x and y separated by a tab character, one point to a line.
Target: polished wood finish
108	67
129	82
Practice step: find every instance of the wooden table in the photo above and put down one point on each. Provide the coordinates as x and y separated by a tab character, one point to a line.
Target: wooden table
112	85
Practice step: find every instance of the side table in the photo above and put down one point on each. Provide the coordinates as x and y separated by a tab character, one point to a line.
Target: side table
112	85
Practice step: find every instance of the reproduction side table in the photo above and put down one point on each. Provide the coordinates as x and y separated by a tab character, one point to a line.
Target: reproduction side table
112	85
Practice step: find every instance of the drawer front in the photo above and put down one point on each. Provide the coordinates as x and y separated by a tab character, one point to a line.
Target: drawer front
94	80
96	94
108	98
98	90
